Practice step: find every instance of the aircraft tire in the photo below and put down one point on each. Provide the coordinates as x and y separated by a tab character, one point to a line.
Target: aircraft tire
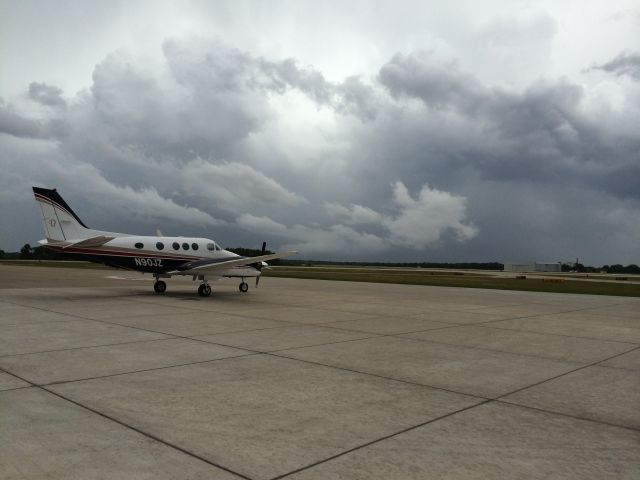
243	287
204	290
160	286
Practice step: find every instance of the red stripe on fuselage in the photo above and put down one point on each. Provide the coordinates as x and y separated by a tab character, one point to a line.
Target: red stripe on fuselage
120	253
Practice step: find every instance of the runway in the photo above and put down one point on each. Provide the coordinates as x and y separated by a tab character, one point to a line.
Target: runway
311	379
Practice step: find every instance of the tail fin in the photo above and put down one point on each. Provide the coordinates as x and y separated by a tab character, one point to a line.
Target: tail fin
59	221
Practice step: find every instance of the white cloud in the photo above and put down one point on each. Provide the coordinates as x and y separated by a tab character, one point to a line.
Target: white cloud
353	214
144	204
416	224
234	186
262	224
423	221
339	240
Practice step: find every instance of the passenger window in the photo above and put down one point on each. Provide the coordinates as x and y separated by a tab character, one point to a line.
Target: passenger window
185	246
194	246
139	245
160	246
211	247
176	246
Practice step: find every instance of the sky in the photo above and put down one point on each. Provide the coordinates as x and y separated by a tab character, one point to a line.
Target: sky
457	131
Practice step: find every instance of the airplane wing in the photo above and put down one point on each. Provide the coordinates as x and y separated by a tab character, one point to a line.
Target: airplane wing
214	265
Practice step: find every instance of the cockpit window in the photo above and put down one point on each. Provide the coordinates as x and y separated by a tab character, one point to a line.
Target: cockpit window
213	246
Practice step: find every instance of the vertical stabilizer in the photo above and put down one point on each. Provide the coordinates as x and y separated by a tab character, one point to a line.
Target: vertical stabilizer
58	219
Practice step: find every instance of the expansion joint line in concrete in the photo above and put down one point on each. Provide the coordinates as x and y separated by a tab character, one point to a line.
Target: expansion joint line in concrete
164	367
486	349
486	399
377	440
106	320
86	347
501	398
487	323
175	336
209	342
350	370
476	311
168	335
131	427
557	334
483	402
568	415
582	367
562	312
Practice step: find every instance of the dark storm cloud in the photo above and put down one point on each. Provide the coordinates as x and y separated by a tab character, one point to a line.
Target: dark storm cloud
626	63
438	85
351	96
541	134
216	96
46	94
13	123
212	68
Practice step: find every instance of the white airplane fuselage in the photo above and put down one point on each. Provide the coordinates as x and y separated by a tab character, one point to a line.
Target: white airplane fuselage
158	255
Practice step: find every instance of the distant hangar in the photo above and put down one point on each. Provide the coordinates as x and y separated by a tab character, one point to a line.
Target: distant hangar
533	267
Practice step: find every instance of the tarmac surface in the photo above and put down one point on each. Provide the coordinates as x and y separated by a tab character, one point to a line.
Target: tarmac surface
100	378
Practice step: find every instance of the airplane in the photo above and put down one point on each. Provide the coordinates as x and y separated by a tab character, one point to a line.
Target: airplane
164	257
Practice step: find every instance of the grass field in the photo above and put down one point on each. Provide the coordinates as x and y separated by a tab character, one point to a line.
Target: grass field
444	278
457	279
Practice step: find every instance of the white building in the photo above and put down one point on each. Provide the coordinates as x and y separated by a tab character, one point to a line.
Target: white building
532	267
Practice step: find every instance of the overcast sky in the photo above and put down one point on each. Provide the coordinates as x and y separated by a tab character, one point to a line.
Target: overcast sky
362	130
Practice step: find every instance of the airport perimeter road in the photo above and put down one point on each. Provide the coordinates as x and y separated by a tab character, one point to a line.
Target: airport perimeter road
309	379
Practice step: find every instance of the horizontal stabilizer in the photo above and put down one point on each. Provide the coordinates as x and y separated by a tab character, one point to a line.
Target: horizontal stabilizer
91	242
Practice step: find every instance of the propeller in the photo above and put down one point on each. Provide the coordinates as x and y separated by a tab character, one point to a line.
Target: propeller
259	265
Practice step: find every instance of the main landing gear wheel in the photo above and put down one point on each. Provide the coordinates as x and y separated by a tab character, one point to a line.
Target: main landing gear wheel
243	287
160	286
204	290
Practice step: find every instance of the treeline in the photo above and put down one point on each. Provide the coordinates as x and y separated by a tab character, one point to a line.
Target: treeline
27	252
620	268
580	268
459	266
251	252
